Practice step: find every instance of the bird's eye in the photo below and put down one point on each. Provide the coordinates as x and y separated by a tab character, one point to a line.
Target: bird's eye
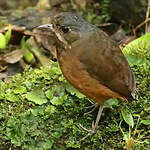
65	29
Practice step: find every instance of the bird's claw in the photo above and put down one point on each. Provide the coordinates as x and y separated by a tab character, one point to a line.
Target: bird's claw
94	106
90	132
94	124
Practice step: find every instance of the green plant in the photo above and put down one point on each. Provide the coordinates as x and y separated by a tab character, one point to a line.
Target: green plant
4	39
127	117
28	56
105	9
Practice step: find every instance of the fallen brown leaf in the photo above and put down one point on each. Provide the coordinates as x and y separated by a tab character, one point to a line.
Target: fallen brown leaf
13	56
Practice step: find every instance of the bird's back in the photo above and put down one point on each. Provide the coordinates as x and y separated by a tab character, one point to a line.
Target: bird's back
96	66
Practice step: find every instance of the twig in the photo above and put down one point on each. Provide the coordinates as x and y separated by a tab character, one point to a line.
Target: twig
140	25
147	19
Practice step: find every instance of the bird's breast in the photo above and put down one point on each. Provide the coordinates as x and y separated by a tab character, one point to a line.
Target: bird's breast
76	74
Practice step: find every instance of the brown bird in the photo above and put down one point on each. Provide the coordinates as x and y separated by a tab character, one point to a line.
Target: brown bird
91	61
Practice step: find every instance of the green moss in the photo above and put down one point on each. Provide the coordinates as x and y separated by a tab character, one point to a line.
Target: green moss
139	47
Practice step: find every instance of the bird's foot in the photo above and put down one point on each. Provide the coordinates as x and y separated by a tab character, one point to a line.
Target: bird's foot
94	125
90	132
94	106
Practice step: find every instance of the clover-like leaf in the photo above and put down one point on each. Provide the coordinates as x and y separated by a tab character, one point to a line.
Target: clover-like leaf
111	102
37	96
56	95
73	91
145	122
127	117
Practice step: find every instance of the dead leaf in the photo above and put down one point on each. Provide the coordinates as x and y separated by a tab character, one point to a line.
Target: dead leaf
3	75
47	40
14	28
3	68
13	56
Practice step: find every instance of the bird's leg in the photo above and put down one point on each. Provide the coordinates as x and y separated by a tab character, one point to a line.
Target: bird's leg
94	106
94	125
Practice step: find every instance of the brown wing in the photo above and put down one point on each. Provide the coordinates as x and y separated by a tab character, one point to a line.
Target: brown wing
105	62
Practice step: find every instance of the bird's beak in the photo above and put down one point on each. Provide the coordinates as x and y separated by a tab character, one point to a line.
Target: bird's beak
51	27
46	26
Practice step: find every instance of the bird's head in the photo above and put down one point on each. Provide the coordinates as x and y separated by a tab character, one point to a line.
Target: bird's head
68	27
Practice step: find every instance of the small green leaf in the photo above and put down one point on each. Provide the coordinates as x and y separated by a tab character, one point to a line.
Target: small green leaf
134	60
8	34
37	96
73	91
22	43
20	90
28	56
111	102
11	96
49	93
145	122
56	95
59	100
2	41
127	117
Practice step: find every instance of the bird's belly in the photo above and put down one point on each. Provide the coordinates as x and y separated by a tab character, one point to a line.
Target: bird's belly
76	74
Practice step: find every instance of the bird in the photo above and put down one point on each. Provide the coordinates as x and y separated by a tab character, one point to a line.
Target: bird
91	61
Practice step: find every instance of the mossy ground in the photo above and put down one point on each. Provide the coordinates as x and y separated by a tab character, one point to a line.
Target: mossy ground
40	111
